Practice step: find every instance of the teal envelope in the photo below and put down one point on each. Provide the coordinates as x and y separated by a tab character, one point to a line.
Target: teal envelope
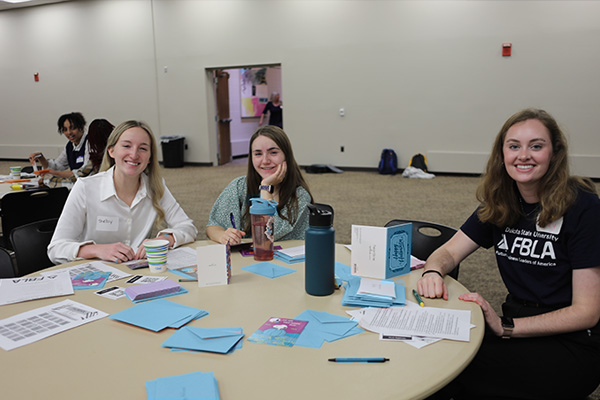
196	385
214	340
323	326
158	314
268	269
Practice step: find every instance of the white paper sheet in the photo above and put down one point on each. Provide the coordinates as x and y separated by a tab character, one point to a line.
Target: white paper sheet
181	257
293	252
94	266
31	326
15	290
377	287
423	321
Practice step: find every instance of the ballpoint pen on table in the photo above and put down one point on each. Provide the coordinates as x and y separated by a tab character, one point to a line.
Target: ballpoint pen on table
359	359
419	299
188	280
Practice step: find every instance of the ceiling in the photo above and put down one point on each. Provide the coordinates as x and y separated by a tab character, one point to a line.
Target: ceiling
9	6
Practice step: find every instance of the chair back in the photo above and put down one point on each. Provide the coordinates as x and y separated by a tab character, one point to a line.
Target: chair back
427	237
7	270
25	206
30	243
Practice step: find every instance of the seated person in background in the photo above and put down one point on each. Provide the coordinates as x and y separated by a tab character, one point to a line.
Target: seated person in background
110	214
97	137
98	134
543	224
68	165
272	174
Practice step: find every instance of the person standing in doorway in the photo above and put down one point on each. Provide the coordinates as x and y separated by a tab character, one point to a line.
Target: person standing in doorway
275	110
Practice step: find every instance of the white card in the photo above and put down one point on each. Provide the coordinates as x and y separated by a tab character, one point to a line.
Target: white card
214	266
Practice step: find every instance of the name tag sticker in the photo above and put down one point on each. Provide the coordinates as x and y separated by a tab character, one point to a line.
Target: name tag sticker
552	227
107	224
79	159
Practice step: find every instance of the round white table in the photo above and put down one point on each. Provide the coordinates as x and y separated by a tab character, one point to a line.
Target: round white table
106	359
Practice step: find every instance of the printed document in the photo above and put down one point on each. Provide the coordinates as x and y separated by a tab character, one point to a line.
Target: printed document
15	290
31	326
423	321
94	266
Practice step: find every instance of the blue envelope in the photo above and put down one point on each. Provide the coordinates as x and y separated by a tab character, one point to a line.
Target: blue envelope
158	314
323	326
268	269
214	340
353	299
197	385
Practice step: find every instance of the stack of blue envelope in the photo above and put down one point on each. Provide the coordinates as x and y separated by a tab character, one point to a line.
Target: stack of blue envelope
324	327
354	299
197	385
157	315
213	340
291	255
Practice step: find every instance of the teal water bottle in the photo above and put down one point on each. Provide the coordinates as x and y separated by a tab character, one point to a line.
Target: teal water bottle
319	263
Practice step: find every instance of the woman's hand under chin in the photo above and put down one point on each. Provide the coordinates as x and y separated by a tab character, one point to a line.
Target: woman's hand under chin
277	177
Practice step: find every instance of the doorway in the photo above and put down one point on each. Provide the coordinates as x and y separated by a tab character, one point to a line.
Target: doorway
240	94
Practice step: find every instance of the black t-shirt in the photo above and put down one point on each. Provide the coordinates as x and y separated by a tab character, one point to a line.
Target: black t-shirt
536	263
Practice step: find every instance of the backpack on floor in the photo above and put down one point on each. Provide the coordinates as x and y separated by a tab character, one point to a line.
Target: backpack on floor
388	164
418	161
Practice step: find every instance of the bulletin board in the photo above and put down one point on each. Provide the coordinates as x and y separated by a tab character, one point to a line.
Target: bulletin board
254	91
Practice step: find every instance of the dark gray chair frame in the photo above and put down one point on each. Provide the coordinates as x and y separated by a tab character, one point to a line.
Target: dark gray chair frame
30	243
26	206
423	243
7	268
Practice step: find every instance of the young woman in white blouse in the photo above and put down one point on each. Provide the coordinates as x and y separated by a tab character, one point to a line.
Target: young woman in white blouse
110	214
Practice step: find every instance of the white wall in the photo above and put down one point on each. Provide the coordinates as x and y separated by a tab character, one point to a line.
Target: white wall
417	76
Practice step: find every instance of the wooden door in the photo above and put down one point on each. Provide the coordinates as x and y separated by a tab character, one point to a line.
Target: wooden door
223	120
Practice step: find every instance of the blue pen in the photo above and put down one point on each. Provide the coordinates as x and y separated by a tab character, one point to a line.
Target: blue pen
232	220
359	359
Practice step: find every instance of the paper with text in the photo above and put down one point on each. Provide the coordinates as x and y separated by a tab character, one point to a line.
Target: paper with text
31	326
423	321
15	290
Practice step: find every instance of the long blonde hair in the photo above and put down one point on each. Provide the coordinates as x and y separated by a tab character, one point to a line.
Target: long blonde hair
155	181
557	190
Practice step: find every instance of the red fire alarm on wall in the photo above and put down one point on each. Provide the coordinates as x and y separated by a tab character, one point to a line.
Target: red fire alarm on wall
506	47
36	77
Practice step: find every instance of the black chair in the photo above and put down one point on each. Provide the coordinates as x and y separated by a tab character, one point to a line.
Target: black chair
30	243
7	270
25	206
427	237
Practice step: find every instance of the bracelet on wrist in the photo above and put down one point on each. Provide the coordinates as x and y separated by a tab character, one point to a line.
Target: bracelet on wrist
434	271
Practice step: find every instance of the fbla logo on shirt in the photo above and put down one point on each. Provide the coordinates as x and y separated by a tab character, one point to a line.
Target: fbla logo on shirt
534	249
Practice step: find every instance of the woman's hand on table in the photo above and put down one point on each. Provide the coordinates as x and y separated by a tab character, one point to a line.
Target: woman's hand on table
141	251
234	236
492	319
113	252
432	285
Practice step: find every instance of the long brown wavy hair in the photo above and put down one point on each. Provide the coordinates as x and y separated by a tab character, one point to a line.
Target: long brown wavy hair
155	181
557	189
287	189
